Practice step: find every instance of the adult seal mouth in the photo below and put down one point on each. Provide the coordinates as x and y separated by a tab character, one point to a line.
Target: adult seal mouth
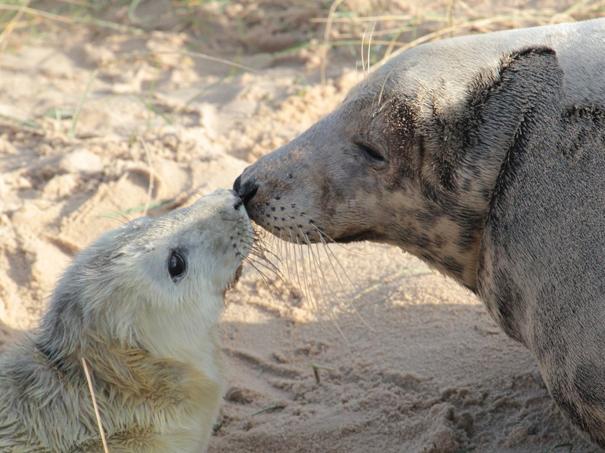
477	154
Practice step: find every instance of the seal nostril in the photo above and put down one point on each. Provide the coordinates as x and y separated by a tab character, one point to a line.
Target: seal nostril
247	192
237	184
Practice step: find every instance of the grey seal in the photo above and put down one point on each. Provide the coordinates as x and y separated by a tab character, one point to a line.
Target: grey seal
484	156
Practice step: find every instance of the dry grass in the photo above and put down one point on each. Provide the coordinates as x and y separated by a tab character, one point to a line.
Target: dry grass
396	31
340	24
370	31
94	405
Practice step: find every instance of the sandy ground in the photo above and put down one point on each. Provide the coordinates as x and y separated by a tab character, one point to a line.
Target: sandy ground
394	357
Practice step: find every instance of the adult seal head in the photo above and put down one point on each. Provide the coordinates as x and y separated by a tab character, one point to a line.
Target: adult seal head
140	306
426	154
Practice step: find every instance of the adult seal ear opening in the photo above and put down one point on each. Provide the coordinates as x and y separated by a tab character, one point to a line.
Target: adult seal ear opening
477	154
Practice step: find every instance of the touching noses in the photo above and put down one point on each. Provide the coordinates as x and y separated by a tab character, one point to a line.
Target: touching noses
246	190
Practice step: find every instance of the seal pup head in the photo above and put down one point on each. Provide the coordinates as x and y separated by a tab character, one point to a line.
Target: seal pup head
140	305
154	283
409	158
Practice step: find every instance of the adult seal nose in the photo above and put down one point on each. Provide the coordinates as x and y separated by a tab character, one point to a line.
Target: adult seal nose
245	190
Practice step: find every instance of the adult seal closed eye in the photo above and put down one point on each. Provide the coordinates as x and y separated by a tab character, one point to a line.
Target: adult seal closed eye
140	306
483	155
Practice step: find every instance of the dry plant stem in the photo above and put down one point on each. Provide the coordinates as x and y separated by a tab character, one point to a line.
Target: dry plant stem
327	32
11	25
450	14
74	123
94	405
463	26
347	20
370	47
363	39
76	2
68	20
150	184
127	56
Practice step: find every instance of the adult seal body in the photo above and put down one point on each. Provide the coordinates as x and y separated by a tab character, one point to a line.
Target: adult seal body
140	306
485	156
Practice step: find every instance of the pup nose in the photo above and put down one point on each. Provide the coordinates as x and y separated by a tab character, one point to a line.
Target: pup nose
246	190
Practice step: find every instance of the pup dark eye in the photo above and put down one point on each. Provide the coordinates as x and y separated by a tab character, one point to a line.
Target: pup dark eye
370	152
176	265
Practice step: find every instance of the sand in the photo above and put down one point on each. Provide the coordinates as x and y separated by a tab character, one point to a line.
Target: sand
389	357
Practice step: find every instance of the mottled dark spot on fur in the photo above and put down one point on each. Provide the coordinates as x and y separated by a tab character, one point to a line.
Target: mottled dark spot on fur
421	147
430	192
470	224
402	120
563	399
427	256
331	196
588	381
453	266
509	302
466	184
439	241
467	239
427	217
446	171
582	122
424	241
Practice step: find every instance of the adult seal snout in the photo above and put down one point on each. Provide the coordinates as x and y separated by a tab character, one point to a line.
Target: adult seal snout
140	306
484	156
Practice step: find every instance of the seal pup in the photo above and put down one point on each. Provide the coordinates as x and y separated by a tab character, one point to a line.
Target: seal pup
423	155
140	305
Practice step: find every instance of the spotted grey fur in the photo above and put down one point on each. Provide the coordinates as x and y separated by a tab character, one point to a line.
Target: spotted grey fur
483	155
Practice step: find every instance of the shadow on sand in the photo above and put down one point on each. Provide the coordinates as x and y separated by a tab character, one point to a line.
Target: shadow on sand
433	377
